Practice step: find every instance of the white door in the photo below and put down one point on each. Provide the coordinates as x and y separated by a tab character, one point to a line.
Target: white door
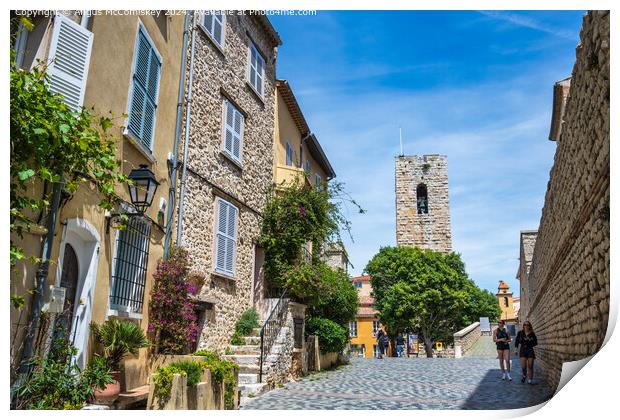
84	240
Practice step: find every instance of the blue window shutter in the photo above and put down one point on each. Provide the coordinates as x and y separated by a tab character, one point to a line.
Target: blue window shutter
145	88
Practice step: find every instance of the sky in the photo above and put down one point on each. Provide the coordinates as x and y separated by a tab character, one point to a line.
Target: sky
475	86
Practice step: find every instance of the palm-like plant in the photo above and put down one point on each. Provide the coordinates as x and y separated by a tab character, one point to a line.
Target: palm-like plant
119	338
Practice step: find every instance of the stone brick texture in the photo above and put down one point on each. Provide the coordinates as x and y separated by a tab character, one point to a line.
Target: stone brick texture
221	74
467	337
428	231
569	277
526	252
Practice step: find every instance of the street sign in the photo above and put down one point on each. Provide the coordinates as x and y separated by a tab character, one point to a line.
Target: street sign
485	325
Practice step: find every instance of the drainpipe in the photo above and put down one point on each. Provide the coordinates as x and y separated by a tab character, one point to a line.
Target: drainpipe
188	114
41	278
177	137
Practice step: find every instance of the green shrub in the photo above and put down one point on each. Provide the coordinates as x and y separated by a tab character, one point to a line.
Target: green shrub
55	383
332	337
247	322
221	371
163	376
340	301
237	339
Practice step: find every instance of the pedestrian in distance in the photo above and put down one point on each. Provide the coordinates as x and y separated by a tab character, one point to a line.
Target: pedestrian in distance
382	341
400	345
502	339
524	347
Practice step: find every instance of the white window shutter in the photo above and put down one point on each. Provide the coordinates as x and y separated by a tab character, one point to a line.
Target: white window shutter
233	130
69	57
226	238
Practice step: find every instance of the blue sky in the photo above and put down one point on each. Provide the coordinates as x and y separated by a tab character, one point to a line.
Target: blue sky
475	86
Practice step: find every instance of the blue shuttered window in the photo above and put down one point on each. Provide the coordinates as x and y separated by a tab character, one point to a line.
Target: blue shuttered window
289	154
225	237
144	90
256	71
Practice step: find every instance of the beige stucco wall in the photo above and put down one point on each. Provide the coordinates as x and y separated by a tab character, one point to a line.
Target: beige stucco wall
221	73
107	89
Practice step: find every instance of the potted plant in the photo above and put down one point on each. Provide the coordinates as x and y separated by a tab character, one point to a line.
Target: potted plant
117	338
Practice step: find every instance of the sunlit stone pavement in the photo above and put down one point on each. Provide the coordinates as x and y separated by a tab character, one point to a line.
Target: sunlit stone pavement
404	384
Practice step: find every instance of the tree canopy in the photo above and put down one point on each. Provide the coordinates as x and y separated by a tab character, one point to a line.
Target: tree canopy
426	291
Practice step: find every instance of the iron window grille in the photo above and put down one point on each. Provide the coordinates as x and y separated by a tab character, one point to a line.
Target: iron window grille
130	262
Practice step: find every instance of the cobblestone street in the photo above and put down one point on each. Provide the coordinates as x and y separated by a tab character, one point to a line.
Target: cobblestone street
393	384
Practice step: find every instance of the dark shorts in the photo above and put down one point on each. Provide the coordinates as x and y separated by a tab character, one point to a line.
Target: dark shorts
526	352
503	346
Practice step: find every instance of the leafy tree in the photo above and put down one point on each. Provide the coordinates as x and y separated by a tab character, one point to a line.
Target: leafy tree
340	302
426	291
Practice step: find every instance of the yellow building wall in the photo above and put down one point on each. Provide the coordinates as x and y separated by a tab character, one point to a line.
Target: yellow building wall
107	89
286	130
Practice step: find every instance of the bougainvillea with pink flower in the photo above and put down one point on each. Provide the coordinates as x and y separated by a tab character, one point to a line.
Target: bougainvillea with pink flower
173	321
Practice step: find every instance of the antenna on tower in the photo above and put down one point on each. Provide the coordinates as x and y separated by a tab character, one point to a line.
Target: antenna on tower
400	129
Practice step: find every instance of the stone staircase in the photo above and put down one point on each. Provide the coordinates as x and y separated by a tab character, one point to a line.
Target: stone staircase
247	357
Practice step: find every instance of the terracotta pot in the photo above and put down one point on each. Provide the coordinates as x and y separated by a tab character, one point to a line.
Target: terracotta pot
110	393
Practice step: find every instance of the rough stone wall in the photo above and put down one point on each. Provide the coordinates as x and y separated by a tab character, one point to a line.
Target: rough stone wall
526	252
220	74
569	276
465	339
432	230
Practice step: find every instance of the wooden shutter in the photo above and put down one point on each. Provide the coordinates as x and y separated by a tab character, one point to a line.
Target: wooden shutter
69	57
226	243
233	131
145	88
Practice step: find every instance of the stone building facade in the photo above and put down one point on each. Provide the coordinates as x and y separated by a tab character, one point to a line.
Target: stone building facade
230	162
422	202
568	282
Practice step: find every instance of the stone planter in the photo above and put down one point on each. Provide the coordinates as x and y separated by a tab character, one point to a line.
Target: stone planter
110	393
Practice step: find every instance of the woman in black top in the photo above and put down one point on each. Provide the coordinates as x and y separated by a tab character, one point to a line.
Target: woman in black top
502	339
526	339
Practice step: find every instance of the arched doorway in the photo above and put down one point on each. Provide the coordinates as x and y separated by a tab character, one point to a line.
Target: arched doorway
69	280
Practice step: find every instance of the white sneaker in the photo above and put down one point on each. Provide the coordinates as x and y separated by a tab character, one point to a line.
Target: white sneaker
503	376
529	381
509	378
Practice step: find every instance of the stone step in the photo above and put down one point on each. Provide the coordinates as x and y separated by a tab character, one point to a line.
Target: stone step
249	369
247	349
252	389
251	341
249	359
243	359
248	378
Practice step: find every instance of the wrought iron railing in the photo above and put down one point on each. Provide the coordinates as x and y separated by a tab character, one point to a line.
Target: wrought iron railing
271	329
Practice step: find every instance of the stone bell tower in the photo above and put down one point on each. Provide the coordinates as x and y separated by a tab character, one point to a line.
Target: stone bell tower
422	203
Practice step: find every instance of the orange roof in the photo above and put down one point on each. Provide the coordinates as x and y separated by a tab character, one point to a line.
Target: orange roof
365	311
503	285
361	278
367	300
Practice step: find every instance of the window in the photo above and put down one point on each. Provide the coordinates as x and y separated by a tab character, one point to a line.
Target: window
213	22
357	284
69	57
375	327
317	181
308	167
256	70
422	200
505	301
233	131
144	90
129	269
353	328
225	237
289	154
